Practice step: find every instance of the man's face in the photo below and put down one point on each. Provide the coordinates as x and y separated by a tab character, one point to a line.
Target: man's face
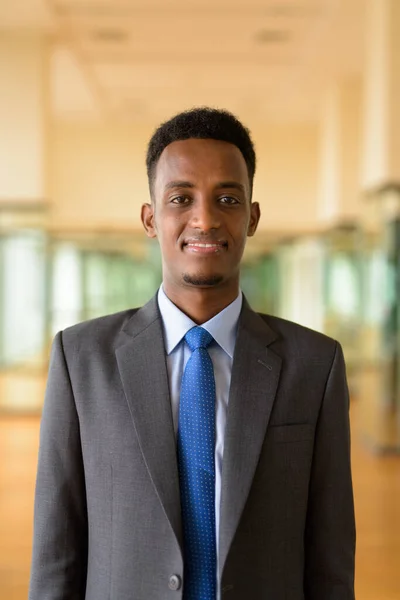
201	212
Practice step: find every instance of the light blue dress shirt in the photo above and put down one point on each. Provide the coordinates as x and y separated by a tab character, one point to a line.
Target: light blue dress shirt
223	328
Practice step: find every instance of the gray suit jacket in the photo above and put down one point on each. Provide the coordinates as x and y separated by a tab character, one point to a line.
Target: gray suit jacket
107	510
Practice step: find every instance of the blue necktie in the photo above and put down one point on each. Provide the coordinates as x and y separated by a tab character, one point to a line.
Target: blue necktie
196	447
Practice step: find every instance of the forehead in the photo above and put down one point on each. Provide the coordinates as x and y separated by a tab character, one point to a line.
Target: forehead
201	161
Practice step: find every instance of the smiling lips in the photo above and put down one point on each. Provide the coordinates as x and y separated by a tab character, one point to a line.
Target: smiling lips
205	247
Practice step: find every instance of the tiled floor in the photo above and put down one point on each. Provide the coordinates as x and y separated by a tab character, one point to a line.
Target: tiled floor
377	495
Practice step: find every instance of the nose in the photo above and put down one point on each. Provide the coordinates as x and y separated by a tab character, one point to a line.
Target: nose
205	215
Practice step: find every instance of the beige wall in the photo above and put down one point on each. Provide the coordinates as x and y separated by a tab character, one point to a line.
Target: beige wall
381	135
98	174
286	179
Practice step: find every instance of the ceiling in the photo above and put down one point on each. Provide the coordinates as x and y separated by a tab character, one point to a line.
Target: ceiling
267	60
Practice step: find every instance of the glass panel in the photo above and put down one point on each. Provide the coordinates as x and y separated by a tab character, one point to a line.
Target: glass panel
96	285
301	282
66	288
23	303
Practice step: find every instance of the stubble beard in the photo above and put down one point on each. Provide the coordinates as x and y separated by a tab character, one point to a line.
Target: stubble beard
202	280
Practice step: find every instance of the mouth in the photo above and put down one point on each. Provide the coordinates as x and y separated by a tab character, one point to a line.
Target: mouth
207	248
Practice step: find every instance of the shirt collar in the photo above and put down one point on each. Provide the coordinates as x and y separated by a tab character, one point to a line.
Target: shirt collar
176	324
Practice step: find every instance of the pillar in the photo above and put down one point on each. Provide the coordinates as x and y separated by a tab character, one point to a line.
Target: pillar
340	152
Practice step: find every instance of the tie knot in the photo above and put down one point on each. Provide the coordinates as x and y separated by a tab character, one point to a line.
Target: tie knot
197	337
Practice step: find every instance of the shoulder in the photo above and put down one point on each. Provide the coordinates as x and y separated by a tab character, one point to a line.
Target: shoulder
101	332
295	332
299	342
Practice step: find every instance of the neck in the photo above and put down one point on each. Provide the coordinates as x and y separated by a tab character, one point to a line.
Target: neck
201	303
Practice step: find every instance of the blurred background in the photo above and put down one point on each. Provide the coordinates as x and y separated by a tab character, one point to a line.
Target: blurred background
83	84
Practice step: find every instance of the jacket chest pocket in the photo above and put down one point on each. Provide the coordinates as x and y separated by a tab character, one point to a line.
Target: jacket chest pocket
286	434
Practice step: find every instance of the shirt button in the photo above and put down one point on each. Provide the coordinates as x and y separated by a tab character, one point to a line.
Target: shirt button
174	583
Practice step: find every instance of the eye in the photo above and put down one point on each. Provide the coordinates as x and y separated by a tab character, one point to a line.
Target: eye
228	200
180	200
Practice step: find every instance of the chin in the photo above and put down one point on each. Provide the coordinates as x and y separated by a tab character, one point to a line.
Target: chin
201	280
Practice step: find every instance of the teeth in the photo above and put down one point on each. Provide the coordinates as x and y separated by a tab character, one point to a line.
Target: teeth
205	245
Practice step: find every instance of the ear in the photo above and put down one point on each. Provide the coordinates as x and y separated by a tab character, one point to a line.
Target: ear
147	215
254	218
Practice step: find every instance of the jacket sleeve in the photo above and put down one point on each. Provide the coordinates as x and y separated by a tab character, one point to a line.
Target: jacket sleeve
59	559
330	527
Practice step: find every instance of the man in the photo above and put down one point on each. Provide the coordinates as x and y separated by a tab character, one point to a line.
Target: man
193	448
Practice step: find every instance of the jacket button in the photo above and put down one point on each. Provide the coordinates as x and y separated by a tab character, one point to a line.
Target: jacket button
174	583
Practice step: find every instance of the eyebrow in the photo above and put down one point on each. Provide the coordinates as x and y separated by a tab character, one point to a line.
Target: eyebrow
179	184
231	184
221	185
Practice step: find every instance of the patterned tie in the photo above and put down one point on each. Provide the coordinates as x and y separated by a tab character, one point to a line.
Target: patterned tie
196	447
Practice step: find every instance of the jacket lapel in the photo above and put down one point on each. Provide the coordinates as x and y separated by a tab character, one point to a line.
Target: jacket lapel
255	376
143	370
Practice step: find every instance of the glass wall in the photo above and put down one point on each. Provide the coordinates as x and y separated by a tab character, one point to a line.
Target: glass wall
91	282
50	282
342	294
260	283
345	283
23	268
380	327
301	271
